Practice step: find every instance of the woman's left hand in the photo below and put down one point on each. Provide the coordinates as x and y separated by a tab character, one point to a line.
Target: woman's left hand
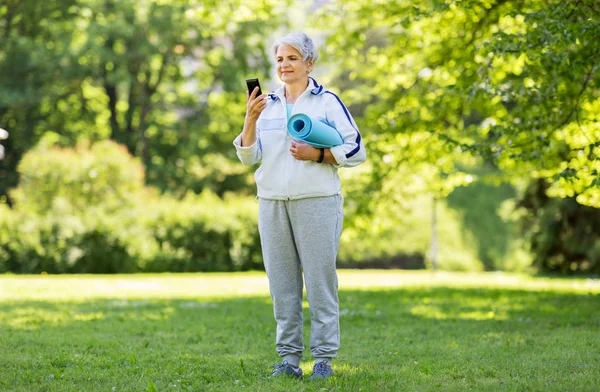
304	152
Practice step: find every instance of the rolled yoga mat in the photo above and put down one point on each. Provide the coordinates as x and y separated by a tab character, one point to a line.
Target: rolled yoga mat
313	132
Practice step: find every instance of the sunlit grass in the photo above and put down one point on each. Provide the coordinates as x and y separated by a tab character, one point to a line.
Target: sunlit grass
224	285
400	331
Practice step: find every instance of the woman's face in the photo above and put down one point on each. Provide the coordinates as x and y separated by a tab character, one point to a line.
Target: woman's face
290	65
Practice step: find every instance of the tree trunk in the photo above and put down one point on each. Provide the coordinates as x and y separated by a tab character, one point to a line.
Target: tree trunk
433	250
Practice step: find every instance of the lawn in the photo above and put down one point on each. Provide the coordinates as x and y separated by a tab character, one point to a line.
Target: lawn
401	331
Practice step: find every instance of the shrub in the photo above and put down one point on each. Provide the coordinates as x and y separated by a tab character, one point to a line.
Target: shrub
204	233
86	210
90	243
101	175
563	234
199	233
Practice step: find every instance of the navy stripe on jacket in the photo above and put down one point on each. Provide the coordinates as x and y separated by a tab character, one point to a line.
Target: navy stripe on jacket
358	137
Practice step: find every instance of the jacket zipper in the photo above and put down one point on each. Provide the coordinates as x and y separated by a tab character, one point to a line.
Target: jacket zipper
287	183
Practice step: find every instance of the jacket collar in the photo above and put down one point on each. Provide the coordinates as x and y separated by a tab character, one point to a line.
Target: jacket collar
314	87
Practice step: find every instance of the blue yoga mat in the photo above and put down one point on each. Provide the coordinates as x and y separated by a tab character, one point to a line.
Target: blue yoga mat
313	132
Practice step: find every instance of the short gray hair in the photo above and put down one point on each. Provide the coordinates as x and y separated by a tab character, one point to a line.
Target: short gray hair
301	42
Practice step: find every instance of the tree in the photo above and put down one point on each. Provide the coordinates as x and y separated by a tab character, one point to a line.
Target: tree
157	77
512	83
31	78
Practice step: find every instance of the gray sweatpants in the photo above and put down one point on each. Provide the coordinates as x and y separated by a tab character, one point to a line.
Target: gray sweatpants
303	235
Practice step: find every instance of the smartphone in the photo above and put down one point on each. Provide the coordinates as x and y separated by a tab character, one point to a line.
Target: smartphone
252	83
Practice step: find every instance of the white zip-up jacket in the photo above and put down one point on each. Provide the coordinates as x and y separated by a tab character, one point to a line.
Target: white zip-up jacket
280	175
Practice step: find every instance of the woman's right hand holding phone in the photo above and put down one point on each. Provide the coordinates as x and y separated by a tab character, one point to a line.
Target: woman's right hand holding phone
254	108
255	105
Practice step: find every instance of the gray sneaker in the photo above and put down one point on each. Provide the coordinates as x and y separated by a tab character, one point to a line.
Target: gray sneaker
321	370
286	369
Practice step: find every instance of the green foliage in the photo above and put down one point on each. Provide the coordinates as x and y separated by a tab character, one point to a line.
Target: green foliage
203	233
94	242
200	233
34	79
86	210
492	230
563	233
514	83
73	212
165	79
437	86
402	229
102	175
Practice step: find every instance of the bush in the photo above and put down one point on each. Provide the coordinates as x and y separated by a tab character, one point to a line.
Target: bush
87	211
200	233
563	234
102	175
204	233
88	243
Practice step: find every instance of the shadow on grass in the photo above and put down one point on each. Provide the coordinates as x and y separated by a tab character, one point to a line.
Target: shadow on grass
401	339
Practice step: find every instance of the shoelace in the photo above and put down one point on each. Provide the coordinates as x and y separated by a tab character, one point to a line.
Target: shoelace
279	367
321	369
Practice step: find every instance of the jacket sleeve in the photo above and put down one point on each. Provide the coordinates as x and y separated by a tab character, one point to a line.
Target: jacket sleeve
352	152
249	155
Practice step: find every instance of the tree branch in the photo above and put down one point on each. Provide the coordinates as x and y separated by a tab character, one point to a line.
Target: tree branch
161	72
483	20
575	108
578	102
134	69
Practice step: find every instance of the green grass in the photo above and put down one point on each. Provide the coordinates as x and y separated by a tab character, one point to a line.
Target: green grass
401	331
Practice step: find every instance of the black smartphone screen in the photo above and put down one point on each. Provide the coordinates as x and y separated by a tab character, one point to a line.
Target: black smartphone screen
252	83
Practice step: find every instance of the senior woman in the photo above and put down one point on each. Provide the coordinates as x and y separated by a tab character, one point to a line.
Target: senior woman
300	203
